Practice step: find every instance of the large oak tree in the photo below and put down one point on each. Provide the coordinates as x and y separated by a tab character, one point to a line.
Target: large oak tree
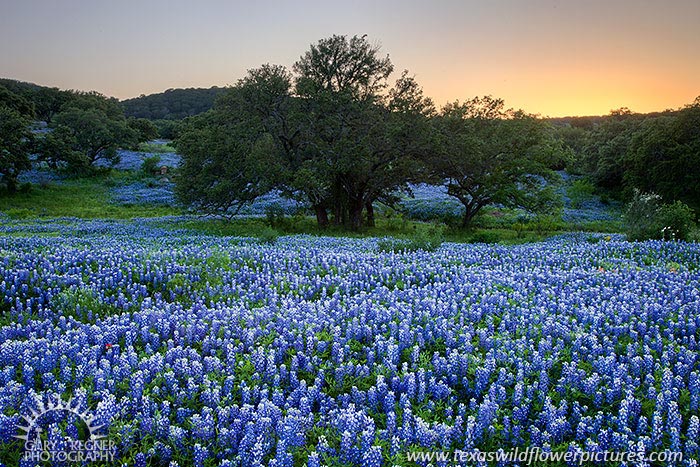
488	154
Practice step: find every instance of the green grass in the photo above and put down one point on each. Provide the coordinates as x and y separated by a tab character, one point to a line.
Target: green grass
155	148
84	198
89	198
410	230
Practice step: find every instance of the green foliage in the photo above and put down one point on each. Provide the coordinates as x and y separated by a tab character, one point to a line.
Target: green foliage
486	236
575	139
642	216
677	221
275	216
227	161
664	156
647	218
151	165
47	102
173	104
657	153
167	129
607	148
82	304
156	147
268	235
80	137
144	130
489	154
44	101
694	235
16	102
326	133
423	240
94	101
579	191
15	139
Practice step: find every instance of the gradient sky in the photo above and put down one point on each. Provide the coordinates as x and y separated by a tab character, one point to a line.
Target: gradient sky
574	57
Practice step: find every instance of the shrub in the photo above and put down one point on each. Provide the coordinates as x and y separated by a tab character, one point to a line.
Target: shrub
485	236
677	221
579	191
694	235
544	224
396	222
647	218
275	215
82	303
19	213
642	216
151	165
425	240
268	235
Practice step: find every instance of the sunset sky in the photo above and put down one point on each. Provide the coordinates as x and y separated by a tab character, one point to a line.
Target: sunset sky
555	58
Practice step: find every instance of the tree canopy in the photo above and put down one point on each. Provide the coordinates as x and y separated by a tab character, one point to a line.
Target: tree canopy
15	139
81	137
16	102
624	151
90	127
489	154
336	132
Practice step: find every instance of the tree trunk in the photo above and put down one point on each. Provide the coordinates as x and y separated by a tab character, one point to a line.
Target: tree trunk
370	213
340	214
11	184
321	216
466	219
470	210
356	206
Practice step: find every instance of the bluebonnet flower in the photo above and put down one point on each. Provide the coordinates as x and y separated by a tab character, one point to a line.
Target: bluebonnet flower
692	436
314	460
372	457
241	345
694	388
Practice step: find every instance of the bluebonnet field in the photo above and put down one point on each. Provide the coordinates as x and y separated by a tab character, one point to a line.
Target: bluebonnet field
422	202
430	202
218	351
158	193
133	160
586	207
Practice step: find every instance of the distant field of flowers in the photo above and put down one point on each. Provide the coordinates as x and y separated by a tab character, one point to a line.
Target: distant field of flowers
429	202
159	193
220	351
133	160
580	205
422	203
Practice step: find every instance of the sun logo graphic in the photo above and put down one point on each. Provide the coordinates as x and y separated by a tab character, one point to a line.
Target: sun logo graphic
53	448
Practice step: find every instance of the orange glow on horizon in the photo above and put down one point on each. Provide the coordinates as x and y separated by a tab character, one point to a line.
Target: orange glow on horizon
548	57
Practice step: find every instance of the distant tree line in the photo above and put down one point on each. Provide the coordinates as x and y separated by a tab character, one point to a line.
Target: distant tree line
626	151
173	104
